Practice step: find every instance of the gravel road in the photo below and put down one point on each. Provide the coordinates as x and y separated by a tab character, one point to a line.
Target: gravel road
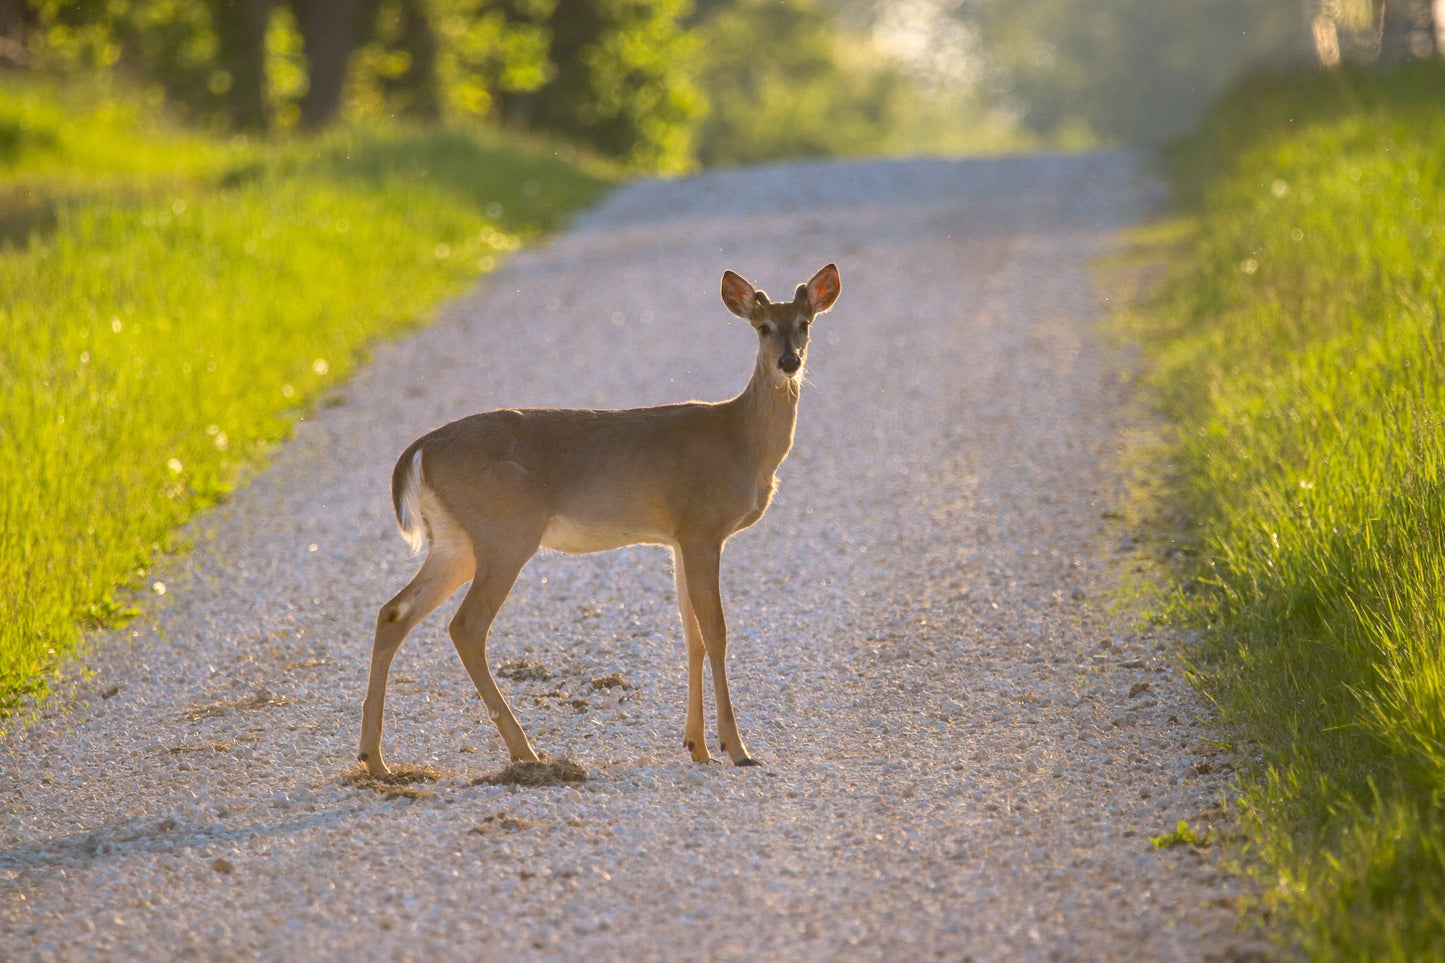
964	753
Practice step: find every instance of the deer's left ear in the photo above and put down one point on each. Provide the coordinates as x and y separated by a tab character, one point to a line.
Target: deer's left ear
824	289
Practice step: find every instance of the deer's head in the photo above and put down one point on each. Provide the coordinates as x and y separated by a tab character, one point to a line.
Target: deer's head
782	326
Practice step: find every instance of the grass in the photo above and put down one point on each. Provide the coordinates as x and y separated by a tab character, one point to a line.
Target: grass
1183	835
173	301
1299	347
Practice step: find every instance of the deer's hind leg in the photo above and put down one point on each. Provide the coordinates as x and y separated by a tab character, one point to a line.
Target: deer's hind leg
448	564
502	550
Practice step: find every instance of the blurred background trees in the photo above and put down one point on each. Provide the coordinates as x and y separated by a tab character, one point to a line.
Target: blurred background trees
668	85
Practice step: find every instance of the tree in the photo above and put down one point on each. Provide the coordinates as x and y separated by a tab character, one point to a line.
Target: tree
15	21
621	81
328	35
429	58
1387	32
777	88
1128	70
240	27
394	68
1407	31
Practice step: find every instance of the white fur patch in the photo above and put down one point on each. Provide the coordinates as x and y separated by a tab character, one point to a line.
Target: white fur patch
408	507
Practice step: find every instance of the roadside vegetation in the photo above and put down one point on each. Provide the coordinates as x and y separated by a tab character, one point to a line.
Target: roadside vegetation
173	301
1298	345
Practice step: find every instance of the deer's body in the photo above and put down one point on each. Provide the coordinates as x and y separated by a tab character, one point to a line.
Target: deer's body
486	491
577	468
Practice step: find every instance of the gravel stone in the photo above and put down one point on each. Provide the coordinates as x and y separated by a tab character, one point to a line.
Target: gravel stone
964	754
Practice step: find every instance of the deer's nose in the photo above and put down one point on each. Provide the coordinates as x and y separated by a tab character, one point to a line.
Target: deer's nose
790	363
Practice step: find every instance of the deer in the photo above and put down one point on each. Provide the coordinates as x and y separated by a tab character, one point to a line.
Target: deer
482	494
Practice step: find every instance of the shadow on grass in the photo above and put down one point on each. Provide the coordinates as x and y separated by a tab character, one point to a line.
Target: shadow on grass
25	215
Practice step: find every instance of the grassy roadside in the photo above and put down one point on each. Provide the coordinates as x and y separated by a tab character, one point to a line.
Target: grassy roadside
1298	346
171	301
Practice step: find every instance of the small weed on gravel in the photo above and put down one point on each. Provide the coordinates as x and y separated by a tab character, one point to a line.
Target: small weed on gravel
261	700
548	772
502	823
1183	835
397	784
524	670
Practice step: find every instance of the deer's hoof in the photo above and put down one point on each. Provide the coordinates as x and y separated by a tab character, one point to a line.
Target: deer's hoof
697	751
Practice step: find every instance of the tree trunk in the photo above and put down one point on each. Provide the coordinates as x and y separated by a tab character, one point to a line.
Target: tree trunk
15	20
420	96
328	33
1327	39
1397	23
241	39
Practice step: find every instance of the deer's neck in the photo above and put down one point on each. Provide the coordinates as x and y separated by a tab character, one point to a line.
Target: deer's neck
769	412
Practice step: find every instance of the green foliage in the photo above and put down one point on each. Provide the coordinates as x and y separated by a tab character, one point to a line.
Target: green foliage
621	84
178	299
285	69
173	42
449	57
649	83
612	75
1129	70
73	34
777	88
1182	835
787	79
1302	350
171	47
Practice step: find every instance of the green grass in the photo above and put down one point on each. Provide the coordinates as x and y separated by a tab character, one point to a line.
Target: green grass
1182	835
1299	346
172	301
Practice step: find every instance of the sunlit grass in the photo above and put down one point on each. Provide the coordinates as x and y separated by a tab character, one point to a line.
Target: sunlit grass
1300	346
170	302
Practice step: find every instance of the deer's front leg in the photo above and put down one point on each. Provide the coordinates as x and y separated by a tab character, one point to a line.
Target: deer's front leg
701	562
694	733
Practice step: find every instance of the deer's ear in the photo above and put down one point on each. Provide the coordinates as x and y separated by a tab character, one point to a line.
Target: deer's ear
824	289
740	296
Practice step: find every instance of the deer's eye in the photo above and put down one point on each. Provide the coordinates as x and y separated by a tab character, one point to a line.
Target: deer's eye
765	329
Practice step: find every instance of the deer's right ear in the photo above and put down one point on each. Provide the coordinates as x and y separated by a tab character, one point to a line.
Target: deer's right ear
739	295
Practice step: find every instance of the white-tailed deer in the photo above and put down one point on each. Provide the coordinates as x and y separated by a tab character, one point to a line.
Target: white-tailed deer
485	492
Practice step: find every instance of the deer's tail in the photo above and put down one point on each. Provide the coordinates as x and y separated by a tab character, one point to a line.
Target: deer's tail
406	483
